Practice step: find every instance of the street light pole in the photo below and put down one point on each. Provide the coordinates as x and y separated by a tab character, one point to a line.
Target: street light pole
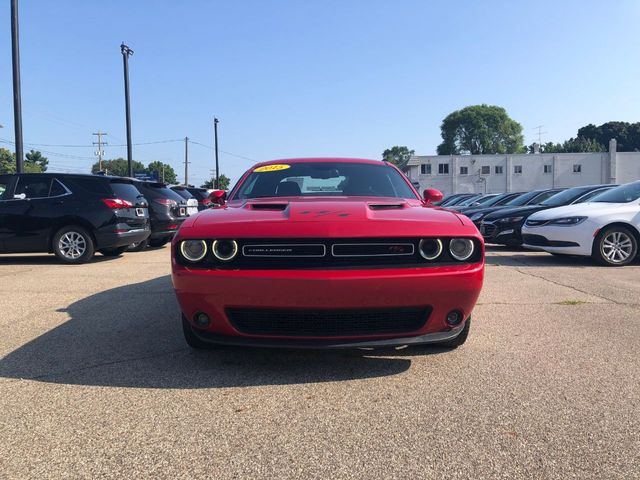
126	53
17	100
215	135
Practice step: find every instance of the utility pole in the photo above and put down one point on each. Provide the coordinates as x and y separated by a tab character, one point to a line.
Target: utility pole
186	161
17	99
215	135
126	53
99	152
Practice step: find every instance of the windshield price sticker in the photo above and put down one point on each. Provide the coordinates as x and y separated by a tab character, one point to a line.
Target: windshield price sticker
272	168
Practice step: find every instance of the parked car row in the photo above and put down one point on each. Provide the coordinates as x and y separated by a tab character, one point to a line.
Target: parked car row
601	221
75	215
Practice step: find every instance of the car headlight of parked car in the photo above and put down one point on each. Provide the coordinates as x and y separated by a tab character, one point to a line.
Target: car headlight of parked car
567	221
461	248
510	219
193	250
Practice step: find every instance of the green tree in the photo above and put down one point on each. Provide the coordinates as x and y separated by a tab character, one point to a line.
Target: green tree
168	174
118	167
573	145
224	183
36	161
480	129
7	161
627	135
397	155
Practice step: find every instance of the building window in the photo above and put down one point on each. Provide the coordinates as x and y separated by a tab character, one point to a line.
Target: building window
547	168
443	169
464	170
499	170
485	170
517	169
425	169
577	168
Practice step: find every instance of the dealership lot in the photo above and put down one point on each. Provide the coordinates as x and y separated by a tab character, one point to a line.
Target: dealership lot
96	381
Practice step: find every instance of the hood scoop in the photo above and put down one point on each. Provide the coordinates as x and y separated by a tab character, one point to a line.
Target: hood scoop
386	206
273	206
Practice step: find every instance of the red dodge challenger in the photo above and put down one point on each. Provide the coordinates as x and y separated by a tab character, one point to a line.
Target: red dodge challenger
327	252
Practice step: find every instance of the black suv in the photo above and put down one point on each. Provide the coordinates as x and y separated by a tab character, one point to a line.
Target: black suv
70	215
167	211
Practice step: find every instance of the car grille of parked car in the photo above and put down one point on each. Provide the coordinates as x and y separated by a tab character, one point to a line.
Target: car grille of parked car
488	229
542	241
318	253
328	323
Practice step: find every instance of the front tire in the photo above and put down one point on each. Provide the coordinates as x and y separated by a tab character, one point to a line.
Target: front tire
460	339
73	245
192	340
615	246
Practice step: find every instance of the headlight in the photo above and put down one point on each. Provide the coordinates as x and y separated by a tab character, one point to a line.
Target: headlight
567	221
510	219
461	248
224	250
193	250
430	248
476	216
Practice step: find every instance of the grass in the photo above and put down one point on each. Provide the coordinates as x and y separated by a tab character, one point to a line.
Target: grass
571	302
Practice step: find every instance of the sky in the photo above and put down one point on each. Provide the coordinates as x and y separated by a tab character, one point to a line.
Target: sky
309	78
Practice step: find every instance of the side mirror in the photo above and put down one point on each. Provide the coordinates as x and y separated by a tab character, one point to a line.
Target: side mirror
431	195
20	196
218	197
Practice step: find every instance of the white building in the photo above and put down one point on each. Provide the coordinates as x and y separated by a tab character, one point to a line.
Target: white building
521	172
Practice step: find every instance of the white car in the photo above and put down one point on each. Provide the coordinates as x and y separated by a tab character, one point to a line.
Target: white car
606	228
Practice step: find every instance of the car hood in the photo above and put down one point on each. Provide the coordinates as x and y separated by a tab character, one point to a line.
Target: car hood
525	210
336	216
578	210
484	210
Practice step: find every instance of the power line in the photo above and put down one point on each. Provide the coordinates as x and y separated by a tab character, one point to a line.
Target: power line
91	146
225	152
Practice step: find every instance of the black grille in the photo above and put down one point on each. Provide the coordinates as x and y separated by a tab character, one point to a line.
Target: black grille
328	323
541	241
488	229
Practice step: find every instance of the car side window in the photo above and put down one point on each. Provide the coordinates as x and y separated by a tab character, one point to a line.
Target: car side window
4	185
37	187
57	189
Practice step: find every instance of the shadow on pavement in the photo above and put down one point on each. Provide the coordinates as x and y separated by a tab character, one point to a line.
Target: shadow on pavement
521	257
44	259
131	336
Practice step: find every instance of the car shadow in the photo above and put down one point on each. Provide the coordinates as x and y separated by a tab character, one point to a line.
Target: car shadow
131	336
521	257
44	259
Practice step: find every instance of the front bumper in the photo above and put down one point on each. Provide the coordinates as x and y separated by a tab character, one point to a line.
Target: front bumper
574	240
443	289
501	233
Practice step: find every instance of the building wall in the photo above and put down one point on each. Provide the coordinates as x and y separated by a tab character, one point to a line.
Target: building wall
523	172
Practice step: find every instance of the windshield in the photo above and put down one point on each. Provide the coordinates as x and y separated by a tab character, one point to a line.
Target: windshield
488	200
466	201
565	197
622	194
523	199
323	179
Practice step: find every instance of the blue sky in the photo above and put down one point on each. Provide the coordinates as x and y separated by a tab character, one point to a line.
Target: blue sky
311	78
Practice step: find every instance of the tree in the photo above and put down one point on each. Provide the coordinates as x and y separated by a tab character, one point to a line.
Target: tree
480	129
7	161
36	164
167	175
118	167
35	158
573	145
224	183
627	135
397	155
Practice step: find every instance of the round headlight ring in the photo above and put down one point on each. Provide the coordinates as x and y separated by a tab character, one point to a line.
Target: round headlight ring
468	249
436	253
190	255
224	257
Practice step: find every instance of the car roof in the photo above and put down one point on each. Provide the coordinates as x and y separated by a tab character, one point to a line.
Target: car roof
321	160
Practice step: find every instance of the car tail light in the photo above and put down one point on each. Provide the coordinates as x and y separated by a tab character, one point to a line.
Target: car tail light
166	201
206	201
117	203
173	227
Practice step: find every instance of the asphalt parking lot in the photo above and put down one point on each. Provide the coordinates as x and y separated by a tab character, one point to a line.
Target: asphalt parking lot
96	380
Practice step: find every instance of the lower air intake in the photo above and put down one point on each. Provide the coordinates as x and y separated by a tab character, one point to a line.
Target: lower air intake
328	323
